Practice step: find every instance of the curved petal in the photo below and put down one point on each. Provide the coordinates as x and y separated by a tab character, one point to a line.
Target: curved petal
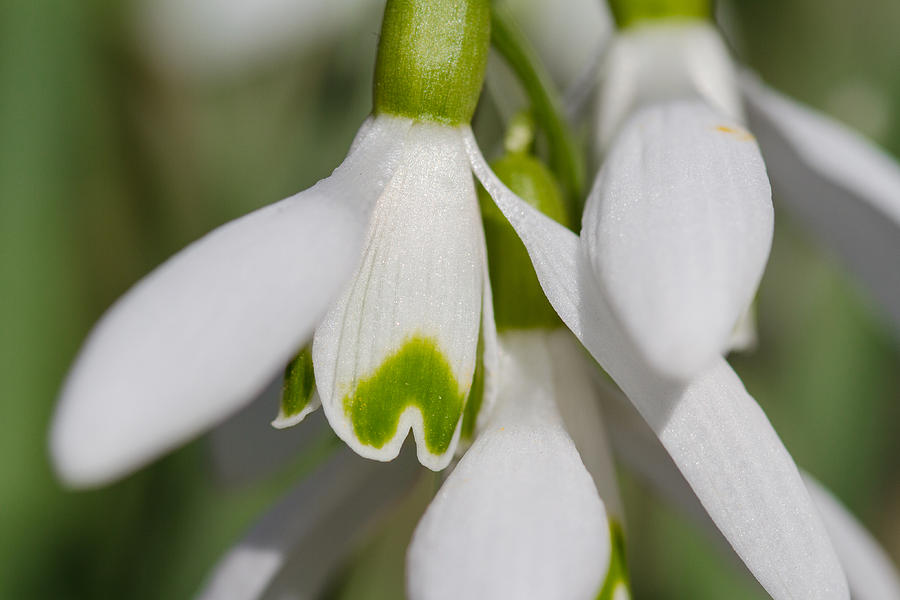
398	348
837	183
519	517
711	427
196	339
311	531
678	228
869	571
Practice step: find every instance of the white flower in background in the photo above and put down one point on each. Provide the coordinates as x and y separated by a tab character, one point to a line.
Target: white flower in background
837	183
219	38
396	227
717	234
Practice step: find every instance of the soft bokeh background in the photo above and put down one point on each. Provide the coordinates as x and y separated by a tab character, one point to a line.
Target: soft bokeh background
113	156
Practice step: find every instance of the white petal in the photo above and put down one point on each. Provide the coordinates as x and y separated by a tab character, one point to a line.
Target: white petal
869	571
519	517
714	431
678	227
203	333
417	295
576	399
837	183
660	63
307	535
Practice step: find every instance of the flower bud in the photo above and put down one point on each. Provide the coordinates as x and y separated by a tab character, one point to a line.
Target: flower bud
431	59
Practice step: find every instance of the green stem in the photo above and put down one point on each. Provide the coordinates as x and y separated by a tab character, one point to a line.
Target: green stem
565	159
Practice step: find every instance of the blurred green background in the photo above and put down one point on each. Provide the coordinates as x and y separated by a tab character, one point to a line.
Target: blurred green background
114	155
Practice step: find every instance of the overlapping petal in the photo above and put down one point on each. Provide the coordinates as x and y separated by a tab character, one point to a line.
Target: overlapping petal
199	336
840	185
398	349
715	432
519	517
678	229
576	398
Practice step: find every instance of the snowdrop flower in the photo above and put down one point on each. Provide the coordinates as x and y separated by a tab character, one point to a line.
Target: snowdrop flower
679	223
389	249
713	429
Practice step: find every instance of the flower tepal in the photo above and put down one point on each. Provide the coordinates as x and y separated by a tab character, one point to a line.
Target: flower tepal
398	349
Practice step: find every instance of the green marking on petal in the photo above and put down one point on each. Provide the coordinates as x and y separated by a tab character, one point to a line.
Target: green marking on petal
476	394
631	12
416	375
299	382
617	575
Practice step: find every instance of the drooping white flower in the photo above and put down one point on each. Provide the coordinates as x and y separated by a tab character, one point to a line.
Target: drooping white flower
715	432
699	212
391	242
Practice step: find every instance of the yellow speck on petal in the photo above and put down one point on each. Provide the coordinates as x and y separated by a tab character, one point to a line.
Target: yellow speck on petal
741	134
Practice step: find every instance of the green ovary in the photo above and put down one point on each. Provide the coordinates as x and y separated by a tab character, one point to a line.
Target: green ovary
617	575
416	375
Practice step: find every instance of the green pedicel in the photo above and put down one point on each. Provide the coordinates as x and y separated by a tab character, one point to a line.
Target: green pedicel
299	382
631	12
431	59
617	575
416	375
